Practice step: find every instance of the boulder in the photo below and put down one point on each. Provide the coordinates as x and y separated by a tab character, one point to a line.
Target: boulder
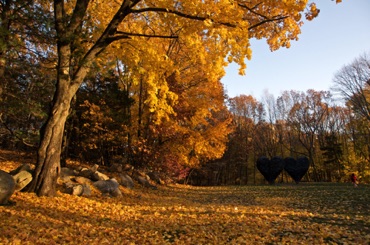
77	190
87	173
82	180
116	168
107	186
23	167
87	190
99	176
66	180
116	193
127	181
94	168
93	173
7	187
22	179
144	182
67	172
155	177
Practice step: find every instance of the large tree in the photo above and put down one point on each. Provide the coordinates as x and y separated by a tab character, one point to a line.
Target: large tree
353	83
85	29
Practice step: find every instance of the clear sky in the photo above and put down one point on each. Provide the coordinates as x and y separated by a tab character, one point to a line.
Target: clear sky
335	38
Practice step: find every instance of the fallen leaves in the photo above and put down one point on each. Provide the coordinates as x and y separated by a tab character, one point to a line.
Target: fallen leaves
299	214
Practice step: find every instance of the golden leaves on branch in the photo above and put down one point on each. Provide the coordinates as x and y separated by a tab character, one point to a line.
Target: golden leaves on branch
191	41
227	24
314	12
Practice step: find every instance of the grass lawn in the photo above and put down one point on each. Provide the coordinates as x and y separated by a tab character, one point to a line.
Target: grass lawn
318	213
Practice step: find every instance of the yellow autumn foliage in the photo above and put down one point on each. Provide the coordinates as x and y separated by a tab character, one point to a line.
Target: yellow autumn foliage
210	31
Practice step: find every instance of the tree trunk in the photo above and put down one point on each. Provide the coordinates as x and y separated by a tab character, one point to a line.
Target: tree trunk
48	156
69	78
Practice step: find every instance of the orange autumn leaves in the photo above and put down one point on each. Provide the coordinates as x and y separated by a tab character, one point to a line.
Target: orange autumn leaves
295	214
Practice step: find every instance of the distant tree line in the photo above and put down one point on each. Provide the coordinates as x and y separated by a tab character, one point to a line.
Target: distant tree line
140	84
108	123
332	131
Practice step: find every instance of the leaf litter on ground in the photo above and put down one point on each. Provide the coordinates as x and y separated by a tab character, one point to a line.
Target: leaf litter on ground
308	213
176	214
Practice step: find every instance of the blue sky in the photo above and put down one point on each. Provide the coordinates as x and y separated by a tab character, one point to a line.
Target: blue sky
335	38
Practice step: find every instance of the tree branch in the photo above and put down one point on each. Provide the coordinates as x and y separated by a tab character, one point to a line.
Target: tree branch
252	11
178	13
266	18
105	39
78	14
266	21
201	18
128	34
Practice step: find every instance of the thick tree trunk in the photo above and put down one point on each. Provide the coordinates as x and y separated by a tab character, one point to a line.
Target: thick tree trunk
48	157
68	81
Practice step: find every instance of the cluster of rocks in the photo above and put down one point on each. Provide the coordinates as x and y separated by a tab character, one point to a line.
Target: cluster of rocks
271	168
79	182
13	181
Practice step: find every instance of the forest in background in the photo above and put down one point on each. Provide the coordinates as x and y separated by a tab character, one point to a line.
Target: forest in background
109	124
160	105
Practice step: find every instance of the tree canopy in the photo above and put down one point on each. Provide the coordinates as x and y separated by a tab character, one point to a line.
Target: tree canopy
166	56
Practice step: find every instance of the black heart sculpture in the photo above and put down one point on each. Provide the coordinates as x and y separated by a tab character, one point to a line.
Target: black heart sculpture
296	168
270	169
